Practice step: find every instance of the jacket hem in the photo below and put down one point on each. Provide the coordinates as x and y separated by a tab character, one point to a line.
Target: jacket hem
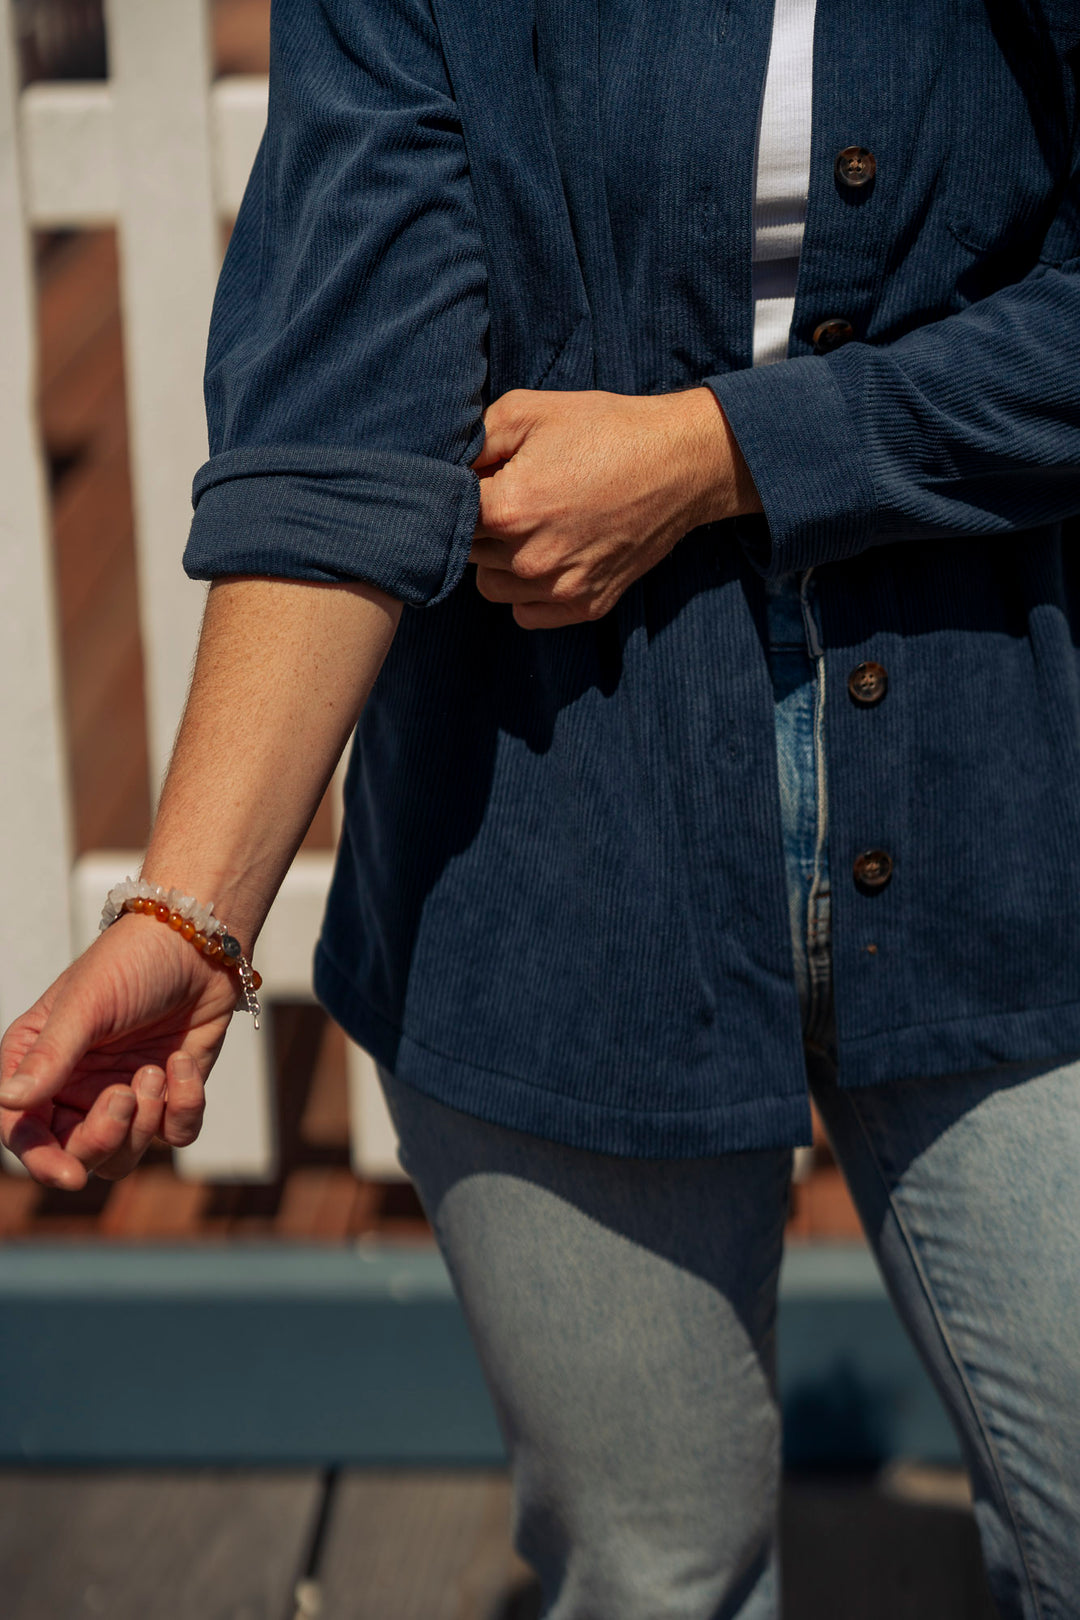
961	1046
524	1105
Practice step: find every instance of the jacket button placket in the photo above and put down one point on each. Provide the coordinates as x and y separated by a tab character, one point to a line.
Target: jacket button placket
868	684
872	870
855	168
831	334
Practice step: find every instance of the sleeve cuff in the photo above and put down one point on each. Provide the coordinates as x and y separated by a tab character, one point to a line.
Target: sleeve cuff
792	424
402	522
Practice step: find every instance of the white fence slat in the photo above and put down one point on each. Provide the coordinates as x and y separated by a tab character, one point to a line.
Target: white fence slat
169	258
35	849
373	1139
238	1141
68	139
238	109
69	145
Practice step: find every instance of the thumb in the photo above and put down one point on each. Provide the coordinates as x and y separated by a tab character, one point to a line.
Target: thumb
508	421
46	1065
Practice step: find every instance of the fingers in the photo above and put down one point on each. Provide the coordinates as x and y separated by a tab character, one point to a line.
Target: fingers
498	585
149	1088
550	615
42	1070
61	1147
490	553
112	1136
31	1139
98	1135
185	1101
506	423
541	604
61	1144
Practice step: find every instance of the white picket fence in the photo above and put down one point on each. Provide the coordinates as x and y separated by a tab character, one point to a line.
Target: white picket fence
163	152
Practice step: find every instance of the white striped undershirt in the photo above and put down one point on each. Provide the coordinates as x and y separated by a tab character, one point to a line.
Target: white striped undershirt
782	176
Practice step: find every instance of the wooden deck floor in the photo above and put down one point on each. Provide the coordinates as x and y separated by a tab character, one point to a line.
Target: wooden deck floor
298	1545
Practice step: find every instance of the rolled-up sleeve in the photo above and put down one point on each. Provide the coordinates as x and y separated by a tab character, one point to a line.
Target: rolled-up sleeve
347	348
967	426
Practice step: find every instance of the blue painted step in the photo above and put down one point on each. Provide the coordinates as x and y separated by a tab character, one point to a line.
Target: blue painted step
274	1353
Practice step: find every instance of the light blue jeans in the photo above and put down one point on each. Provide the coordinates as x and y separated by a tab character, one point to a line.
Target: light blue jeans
624	1310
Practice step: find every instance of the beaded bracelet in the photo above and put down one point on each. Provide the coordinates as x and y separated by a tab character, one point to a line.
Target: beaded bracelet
191	921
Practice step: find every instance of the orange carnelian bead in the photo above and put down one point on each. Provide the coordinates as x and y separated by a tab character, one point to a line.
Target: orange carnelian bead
161	913
133	905
188	930
199	941
256	980
213	948
175	920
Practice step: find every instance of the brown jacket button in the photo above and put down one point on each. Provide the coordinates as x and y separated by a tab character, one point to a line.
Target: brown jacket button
872	870
831	334
868	683
855	167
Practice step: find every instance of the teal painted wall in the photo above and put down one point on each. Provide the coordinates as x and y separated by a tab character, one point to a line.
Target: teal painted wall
273	1353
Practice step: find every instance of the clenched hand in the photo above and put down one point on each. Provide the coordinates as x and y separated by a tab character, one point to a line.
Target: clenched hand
582	493
113	1055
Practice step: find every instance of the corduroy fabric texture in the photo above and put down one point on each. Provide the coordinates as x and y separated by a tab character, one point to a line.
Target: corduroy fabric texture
560	898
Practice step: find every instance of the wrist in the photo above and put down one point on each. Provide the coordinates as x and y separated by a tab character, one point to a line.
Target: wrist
191	921
718	477
235	899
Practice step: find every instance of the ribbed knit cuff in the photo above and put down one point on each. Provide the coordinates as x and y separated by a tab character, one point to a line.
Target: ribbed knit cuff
399	521
793	426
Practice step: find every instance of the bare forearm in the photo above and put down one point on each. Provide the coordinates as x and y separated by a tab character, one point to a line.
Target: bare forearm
283	670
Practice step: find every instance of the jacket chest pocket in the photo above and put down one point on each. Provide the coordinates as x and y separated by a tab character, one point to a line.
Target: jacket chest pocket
1009	136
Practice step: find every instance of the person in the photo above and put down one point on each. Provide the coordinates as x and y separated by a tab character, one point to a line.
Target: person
710	382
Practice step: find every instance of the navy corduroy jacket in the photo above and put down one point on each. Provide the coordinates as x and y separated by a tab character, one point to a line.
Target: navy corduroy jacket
560	897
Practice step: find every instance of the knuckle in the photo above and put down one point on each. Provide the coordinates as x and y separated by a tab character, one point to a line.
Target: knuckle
185	1127
527	565
97	1141
504	514
516	403
565	592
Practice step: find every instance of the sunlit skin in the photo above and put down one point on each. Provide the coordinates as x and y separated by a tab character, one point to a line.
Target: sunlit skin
235	806
580	494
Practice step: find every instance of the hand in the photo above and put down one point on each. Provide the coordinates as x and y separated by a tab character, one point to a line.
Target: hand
115	1053
582	493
